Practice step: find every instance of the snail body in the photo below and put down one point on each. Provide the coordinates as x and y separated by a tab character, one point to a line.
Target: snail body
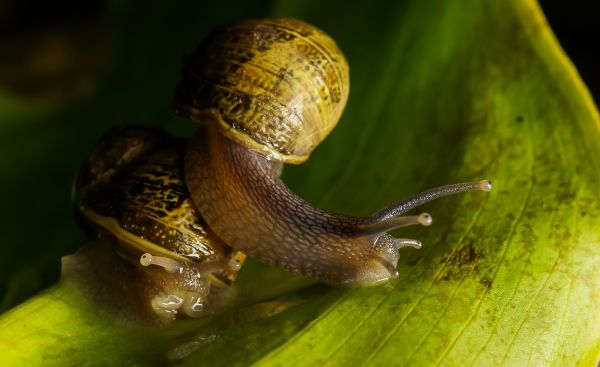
132	188
245	84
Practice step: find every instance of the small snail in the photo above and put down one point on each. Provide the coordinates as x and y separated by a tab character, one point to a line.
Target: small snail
269	91
132	188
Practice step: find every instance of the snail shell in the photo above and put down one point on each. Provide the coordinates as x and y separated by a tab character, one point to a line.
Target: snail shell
278	86
132	188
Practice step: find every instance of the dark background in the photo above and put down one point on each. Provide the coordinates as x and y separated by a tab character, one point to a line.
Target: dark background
575	24
55	55
577	27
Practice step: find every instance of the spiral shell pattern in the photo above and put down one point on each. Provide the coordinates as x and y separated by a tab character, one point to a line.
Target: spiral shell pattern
277	86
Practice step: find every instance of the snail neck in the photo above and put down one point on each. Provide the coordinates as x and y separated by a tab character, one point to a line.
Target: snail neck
252	186
239	194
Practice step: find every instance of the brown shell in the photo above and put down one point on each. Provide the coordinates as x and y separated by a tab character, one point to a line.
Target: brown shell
277	86
145	202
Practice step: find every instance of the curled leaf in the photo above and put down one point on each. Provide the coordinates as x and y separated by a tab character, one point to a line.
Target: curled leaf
441	92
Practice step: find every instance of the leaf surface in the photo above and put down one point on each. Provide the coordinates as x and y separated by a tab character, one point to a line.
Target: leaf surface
441	92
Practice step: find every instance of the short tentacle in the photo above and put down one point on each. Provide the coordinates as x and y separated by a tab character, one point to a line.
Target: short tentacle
407	242
193	305
167	306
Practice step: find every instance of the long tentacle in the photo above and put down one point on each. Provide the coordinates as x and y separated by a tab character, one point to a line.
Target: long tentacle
419	199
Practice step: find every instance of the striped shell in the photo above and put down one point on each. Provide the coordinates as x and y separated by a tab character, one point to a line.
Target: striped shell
133	188
277	86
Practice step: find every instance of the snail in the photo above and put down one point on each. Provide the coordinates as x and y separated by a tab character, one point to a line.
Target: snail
132	188
268	92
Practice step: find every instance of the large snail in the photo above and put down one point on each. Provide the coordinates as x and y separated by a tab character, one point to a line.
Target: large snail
270	91
131	187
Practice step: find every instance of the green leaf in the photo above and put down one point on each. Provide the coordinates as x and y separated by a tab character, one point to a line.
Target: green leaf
442	92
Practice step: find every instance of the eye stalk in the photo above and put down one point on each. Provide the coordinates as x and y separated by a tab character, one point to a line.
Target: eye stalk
170	265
